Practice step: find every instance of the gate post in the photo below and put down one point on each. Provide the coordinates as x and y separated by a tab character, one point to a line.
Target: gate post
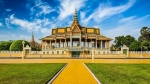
125	50
27	51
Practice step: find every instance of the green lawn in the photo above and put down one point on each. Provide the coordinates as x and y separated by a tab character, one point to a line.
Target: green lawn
121	73
28	73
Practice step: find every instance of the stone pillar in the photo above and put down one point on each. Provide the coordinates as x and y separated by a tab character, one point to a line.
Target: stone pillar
50	44
91	43
104	43
60	43
108	44
96	42
55	42
65	43
80	41
85	43
101	44
70	42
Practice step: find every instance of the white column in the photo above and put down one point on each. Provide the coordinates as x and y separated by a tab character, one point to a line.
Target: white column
55	43
91	43
108	45
65	42
85	42
96	42
60	43
80	41
50	44
101	44
70	42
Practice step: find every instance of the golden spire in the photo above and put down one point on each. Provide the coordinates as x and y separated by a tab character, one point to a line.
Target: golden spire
75	17
75	20
32	39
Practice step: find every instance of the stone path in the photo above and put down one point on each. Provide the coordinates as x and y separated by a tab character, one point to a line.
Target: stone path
75	73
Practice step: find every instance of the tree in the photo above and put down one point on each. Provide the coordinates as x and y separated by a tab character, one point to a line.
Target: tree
141	39
114	48
128	40
119	41
17	45
135	46
145	33
145	45
5	45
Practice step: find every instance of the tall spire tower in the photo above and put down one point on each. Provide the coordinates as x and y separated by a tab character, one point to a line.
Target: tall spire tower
32	39
75	20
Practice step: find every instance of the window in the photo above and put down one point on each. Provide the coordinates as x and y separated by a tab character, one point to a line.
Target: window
52	52
47	52
62	52
43	52
98	52
88	52
57	52
107	52
103	52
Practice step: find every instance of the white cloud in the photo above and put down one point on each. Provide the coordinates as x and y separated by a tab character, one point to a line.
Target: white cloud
127	19
36	25
1	24
8	10
67	7
128	26
46	31
42	7
7	23
105	11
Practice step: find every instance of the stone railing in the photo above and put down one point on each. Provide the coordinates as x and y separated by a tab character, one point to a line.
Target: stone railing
107	52
10	51
139	52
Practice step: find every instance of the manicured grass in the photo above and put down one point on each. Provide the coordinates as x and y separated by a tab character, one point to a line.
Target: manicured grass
121	73
28	73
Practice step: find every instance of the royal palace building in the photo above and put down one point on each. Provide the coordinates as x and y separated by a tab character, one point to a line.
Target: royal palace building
75	41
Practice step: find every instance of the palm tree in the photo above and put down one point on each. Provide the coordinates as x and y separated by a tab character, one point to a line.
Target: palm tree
145	31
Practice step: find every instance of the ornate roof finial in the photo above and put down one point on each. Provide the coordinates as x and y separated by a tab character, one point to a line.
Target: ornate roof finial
75	21
32	39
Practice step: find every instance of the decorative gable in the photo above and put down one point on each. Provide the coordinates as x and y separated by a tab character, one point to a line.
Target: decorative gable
76	30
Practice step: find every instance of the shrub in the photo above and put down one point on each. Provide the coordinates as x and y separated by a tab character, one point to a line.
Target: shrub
17	45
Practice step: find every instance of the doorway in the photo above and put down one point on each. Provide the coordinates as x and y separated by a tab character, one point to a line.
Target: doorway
75	53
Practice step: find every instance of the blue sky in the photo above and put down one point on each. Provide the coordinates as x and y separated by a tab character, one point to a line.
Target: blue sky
18	18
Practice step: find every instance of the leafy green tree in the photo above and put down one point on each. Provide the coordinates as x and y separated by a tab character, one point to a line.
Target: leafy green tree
135	46
5	45
128	40
145	46
17	45
141	39
119	41
114	48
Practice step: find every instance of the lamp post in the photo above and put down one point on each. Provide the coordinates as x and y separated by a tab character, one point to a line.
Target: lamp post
92	50
23	48
141	51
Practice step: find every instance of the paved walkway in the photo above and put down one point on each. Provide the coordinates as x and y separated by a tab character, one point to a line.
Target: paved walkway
75	73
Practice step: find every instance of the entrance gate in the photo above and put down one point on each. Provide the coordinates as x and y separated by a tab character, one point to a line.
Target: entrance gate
75	53
125	51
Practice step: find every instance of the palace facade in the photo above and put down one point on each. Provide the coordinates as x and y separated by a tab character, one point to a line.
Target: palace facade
75	41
